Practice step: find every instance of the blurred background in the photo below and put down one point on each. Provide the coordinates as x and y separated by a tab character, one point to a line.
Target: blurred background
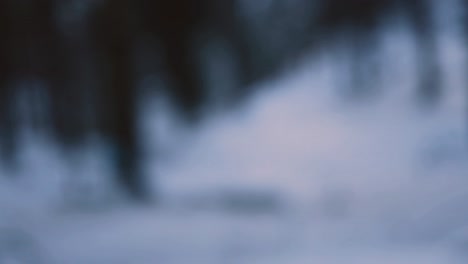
233	131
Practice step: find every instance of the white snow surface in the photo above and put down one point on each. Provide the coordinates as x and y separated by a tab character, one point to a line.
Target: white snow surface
298	174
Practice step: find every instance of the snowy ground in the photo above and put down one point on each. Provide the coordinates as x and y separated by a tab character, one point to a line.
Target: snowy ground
146	236
297	175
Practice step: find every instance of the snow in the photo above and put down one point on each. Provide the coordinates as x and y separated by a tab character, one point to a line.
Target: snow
298	174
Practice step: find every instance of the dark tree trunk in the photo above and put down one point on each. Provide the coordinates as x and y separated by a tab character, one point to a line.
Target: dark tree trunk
114	33
429	87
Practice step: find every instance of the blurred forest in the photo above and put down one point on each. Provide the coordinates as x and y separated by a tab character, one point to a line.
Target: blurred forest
233	131
77	69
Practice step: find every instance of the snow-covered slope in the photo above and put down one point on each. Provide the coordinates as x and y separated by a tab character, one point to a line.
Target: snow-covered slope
298	174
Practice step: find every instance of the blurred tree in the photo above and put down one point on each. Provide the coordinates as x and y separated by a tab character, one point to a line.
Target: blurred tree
361	20
85	54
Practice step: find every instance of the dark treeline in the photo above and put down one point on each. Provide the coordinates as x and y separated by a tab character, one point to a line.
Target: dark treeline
85	60
360	20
